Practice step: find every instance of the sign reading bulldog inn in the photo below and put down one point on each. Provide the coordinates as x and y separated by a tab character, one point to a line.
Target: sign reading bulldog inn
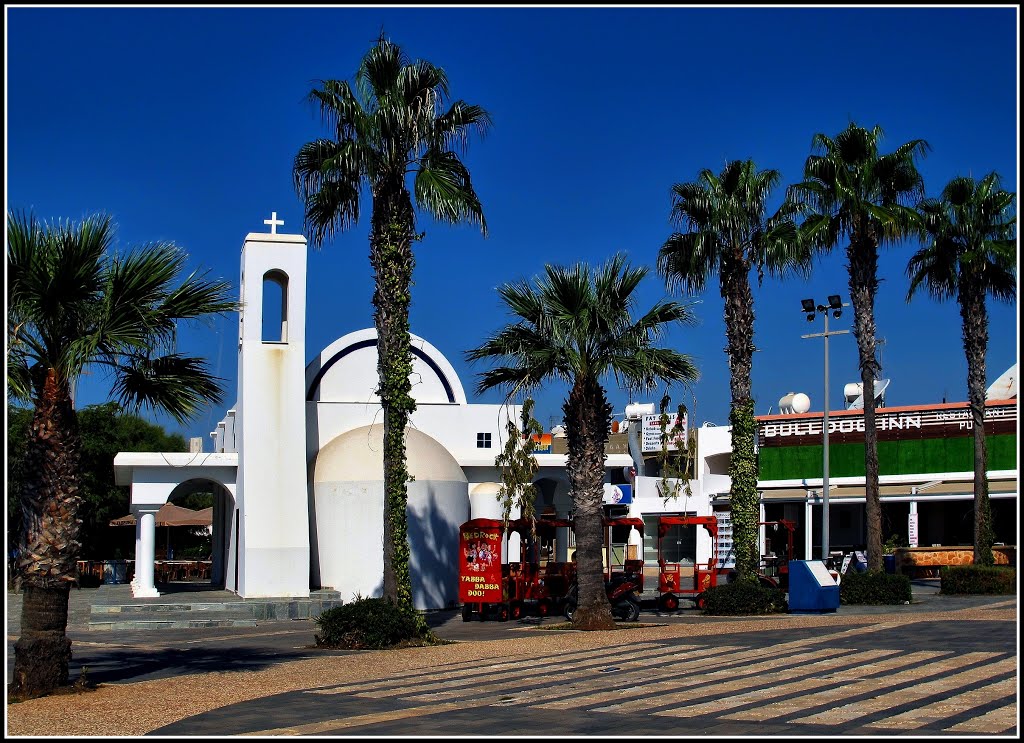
847	426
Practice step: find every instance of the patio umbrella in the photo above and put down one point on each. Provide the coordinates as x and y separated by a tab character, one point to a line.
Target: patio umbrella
171	515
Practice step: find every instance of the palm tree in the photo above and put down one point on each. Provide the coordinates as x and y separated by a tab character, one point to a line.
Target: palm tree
970	253
576	325
850	189
73	305
729	234
389	125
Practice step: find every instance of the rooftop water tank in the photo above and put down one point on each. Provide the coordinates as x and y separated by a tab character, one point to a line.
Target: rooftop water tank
794	402
637	409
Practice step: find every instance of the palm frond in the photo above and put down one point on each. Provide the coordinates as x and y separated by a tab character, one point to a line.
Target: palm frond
444	188
177	384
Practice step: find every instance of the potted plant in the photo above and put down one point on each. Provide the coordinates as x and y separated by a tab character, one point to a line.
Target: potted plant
889	548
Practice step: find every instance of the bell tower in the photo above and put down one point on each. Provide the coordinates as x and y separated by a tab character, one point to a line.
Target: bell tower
273	511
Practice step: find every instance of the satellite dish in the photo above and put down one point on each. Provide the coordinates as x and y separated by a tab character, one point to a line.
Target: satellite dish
880	387
1005	387
558	431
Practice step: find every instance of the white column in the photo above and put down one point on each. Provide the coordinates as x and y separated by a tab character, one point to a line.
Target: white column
145	555
761	531
513	547
808	531
138	540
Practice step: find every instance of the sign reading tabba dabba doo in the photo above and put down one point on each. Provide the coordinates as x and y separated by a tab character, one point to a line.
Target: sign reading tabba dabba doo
480	564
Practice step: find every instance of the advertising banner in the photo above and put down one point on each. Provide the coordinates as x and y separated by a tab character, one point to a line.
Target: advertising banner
650	432
480	565
542	443
617	494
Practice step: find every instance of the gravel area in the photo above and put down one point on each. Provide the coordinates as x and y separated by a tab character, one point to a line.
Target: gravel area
137	708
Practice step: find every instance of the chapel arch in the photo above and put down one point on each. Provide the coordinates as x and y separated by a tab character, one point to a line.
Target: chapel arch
223	536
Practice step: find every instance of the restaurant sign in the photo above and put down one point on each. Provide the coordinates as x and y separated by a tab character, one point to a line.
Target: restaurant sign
900	423
650	433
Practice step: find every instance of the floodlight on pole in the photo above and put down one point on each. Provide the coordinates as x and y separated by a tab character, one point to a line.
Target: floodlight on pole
836	304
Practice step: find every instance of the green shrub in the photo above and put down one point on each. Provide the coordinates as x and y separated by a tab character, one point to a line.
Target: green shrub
874	587
744	597
371	624
961	579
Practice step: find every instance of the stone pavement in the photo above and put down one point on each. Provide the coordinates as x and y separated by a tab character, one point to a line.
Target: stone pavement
941	666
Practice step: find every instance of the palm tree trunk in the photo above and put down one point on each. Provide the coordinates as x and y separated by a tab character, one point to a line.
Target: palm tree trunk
49	546
862	255
739	331
587	418
975	330
392	260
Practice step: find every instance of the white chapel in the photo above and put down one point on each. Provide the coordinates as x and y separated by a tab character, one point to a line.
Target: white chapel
297	464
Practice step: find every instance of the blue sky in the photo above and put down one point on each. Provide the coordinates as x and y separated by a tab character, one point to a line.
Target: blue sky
182	123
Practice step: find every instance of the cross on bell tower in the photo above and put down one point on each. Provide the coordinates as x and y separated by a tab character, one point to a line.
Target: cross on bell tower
273	222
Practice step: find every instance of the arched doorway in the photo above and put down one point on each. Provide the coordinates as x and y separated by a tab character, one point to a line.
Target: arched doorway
200	554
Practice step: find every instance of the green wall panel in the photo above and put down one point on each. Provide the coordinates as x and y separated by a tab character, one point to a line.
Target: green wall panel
917	456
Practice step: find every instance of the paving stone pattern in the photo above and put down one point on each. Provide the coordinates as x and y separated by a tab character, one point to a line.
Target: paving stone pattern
882	679
939	666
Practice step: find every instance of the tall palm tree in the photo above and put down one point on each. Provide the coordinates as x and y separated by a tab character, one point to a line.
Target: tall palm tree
386	126
970	253
850	189
576	325
72	304
728	233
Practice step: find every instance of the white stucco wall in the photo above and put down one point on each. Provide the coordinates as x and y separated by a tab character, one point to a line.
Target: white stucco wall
348	508
270	426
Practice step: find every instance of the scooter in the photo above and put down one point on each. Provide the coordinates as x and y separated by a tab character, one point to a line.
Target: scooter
622	586
621	593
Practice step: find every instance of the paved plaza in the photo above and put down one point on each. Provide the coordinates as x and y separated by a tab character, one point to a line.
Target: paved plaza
940	666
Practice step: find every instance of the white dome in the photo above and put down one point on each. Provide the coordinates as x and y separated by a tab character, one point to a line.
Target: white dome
486	488
358	456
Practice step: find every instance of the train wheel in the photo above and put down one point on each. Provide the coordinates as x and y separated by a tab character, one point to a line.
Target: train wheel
503	613
467	612
668	602
701	602
515	611
634	611
543	608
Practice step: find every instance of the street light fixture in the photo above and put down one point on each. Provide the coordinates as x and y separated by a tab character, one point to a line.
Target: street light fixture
835	304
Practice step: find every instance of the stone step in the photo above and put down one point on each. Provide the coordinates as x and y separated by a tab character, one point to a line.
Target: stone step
180	614
154	608
183	620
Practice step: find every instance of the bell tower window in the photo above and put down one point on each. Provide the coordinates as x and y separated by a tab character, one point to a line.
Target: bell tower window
275	307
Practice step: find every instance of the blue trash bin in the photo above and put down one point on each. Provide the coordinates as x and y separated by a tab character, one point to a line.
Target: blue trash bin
890	563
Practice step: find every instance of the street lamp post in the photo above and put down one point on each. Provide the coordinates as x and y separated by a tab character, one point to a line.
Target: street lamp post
835	306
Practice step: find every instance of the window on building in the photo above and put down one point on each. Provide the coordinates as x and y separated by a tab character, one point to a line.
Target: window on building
275	307
483	441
